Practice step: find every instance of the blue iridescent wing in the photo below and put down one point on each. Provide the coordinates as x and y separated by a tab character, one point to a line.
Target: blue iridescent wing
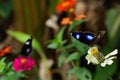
88	37
27	48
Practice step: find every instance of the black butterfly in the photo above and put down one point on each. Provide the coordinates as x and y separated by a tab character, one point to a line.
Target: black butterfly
87	37
27	48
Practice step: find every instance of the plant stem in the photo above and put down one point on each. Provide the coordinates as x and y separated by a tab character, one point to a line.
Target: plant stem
72	62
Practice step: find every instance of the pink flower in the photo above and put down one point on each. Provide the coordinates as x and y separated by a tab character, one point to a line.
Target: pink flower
23	63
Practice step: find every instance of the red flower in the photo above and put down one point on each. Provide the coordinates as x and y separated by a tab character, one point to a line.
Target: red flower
64	6
5	51
23	63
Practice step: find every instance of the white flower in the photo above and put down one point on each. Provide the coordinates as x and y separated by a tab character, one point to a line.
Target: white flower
108	58
96	57
52	22
112	53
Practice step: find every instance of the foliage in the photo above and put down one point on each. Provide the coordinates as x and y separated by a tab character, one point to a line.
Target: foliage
5	8
17	35
69	51
73	51
57	42
7	72
81	73
65	52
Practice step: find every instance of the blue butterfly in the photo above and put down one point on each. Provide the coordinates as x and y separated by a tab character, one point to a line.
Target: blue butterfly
87	37
27	48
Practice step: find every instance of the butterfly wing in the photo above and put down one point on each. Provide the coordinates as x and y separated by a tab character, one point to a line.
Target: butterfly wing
87	37
99	35
27	47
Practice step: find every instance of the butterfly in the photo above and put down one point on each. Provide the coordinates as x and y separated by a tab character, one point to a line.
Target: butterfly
87	37
27	48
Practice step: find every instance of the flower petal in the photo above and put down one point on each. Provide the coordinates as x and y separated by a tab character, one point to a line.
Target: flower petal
106	62
92	59
112	53
19	66
65	5
103	64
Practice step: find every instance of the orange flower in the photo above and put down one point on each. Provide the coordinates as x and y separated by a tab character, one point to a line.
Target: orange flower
80	16
71	10
64	6
5	51
66	21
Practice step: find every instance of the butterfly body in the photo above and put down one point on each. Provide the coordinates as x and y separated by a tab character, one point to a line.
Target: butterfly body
27	48
88	37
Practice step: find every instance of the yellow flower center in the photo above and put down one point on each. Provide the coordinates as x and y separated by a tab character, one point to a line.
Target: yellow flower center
66	4
23	60
94	51
71	10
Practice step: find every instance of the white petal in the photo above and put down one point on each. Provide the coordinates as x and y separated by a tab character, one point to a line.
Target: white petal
52	22
89	50
103	64
112	53
109	62
54	18
88	62
112	57
106	62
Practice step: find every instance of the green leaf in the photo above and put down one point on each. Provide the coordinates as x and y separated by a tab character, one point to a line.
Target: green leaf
73	56
5	8
69	46
81	47
11	75
37	46
81	73
63	42
8	66
75	23
22	37
60	35
61	58
57	42
107	71
111	17
3	59
3	78
53	45
2	65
